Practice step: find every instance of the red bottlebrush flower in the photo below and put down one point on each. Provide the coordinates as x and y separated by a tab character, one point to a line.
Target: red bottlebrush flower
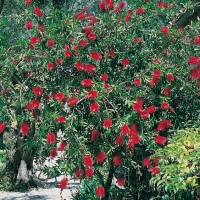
160	140
128	87
2	127
146	162
166	92
167	123
195	73
137	81
117	160
78	173
92	36
137	40
93	20
155	80
151	109
28	2
106	86
119	140
100	191
101	157
72	101
144	114
197	40
165	51
63	183
155	171
34	104
87	160
165	106
137	107
34	40
60	97
38	12
140	11
87	82
102	5
14	62
95	55
51	138
107	123
139	100
68	54
59	61
198	84
128	17
170	78
125	62
104	77
194	60
165	30
41	27
83	43
28	25
94	107
121	181
133	126
111	5
61	119
125	129
157	73
155	159
62	145
87	30
95	136
134	139
24	128
37	91
50	66
91	95
80	15
89	172
50	42
161	127
79	66
53	153
111	53
133	132
156	60
90	68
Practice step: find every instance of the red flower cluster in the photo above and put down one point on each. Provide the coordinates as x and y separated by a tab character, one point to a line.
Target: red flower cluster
194	60
119	140
165	30
95	56
147	163
73	101
50	42
121	6
68	54
111	53
61	119
78	173
107	123
63	183
160	140
38	12
166	92
28	25
108	4
140	11
90	68
137	40
50	66
92	36
197	40
128	17
100	191
125	129
41	27
87	160
24	128
170	78
83	43
101	157
51	138
79	66
27	2
53	153
155	171
34	104
104	77
133	140
34	40
89	172
2	127
91	95
137	82
121	181
125	61
37	91
163	125
94	107
60	97
62	145
87	82
117	160
95	136
165	106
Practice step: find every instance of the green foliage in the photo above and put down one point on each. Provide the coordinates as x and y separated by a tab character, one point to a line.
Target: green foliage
179	162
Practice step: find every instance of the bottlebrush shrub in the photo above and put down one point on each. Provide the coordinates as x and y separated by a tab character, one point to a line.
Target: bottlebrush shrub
179	160
119	114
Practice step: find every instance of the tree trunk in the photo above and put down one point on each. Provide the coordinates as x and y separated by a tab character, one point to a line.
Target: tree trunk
1	5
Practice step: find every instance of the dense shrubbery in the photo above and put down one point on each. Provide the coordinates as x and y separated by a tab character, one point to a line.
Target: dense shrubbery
107	90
